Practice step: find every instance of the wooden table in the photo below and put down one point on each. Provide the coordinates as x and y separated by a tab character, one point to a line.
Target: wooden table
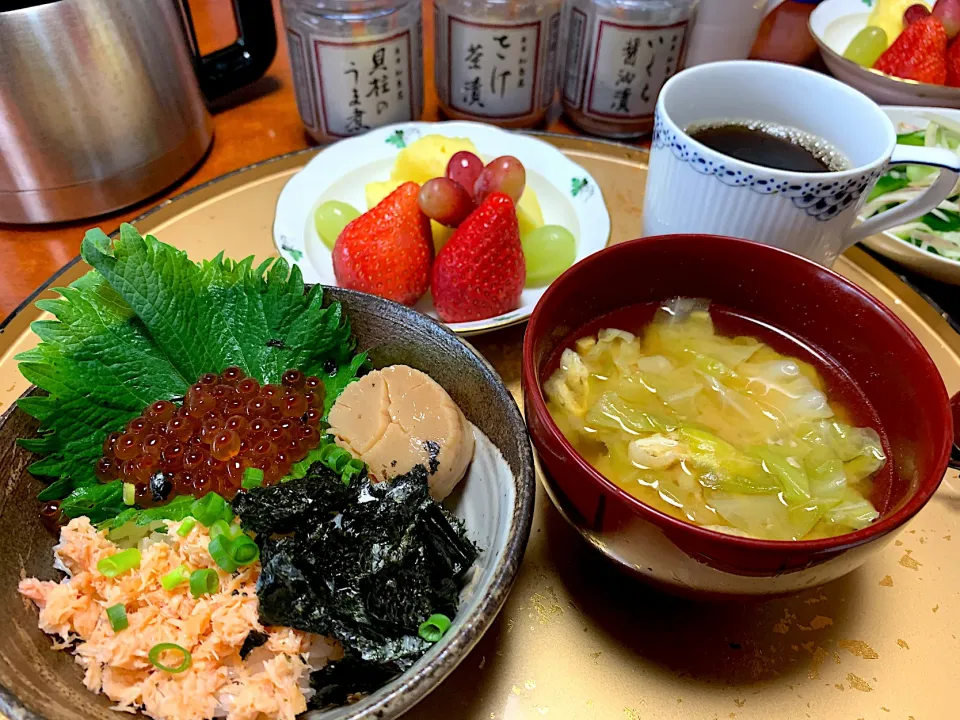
255	124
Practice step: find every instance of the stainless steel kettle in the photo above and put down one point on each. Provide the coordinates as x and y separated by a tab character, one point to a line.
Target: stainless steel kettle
102	102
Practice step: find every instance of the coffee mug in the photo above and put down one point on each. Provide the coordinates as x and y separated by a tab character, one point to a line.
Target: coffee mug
694	189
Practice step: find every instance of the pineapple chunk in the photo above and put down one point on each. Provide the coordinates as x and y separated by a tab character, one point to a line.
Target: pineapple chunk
377	191
441	233
888	16
529	215
427	157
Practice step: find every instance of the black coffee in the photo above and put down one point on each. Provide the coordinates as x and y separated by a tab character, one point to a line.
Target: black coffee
770	145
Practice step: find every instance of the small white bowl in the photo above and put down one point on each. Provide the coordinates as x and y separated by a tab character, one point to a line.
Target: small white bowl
568	196
833	24
888	244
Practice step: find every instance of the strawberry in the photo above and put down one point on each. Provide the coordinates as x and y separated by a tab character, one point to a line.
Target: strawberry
387	251
953	64
480	272
919	53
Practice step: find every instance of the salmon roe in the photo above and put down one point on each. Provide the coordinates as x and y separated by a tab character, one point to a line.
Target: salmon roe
226	424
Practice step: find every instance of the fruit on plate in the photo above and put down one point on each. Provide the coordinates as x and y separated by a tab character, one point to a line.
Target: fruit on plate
377	191
953	64
387	251
948	13
331	217
464	168
481	271
445	201
504	174
888	16
547	251
917	11
428	158
919	53
867	46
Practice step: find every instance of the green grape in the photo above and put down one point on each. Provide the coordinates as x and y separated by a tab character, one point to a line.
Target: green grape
548	251
867	46
331	218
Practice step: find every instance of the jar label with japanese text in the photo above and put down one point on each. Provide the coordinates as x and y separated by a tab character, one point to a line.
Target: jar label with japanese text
496	70
368	83
621	68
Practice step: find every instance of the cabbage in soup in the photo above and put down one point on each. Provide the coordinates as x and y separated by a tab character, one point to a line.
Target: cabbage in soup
723	432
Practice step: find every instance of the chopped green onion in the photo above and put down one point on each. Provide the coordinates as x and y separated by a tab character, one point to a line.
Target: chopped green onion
129	494
327	450
353	468
204	582
298	470
117	615
434	627
157	650
220	527
208	509
243	550
252	478
186	526
120	563
175	577
219	549
226	528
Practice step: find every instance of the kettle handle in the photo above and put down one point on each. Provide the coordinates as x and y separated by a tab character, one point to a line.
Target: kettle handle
243	61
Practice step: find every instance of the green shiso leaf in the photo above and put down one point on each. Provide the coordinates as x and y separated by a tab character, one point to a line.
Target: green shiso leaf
146	323
97	502
175	510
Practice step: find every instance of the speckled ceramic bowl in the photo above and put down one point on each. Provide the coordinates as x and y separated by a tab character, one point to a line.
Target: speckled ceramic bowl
495	501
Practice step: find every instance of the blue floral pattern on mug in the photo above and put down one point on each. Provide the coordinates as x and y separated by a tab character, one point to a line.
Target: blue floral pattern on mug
821	200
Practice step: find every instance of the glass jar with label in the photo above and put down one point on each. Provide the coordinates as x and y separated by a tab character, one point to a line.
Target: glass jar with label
496	60
617	56
356	65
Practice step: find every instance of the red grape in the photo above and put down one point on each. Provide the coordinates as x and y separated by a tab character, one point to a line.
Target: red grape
948	12
504	174
445	201
464	168
914	13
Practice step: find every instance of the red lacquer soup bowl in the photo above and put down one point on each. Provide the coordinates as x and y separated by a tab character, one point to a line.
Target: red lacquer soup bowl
849	329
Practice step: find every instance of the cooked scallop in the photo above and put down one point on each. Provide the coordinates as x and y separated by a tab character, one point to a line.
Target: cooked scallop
397	418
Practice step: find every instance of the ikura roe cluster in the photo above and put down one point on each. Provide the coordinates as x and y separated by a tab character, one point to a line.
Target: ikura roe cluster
226	424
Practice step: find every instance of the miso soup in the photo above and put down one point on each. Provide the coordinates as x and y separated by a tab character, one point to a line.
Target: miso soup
719	428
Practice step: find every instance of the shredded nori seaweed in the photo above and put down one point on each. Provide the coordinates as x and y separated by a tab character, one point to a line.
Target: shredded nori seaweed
365	563
252	641
433	450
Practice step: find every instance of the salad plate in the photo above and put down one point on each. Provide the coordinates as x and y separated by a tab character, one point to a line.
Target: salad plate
931	244
568	196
